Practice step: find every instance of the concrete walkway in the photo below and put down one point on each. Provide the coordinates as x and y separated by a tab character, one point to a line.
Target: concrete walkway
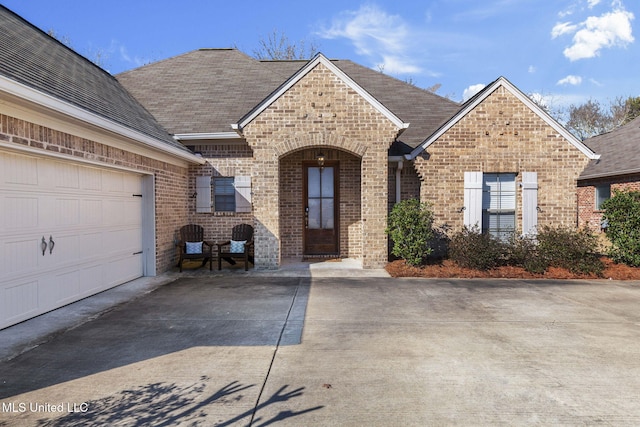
372	351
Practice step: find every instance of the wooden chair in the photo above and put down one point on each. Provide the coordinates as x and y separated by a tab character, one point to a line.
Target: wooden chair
193	246
233	249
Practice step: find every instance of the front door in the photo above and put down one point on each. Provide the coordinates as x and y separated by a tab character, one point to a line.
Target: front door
321	209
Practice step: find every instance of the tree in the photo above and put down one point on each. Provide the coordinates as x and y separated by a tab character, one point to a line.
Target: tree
277	46
592	118
97	56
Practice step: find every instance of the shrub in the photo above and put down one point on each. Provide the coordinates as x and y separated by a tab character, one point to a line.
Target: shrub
472	249
574	250
522	251
622	214
411	230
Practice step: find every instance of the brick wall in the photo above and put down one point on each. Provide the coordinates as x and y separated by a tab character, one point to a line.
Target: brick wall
227	160
320	110
170	180
502	135
588	216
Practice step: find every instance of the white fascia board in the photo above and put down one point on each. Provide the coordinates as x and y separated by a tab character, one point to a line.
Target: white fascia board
42	99
205	135
522	97
320	59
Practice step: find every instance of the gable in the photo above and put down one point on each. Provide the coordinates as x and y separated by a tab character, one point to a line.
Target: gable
319	61
501	123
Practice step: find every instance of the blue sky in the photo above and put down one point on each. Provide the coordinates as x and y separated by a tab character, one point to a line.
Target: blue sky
566	50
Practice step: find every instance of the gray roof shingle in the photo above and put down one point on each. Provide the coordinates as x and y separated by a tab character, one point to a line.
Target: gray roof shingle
619	152
33	58
206	90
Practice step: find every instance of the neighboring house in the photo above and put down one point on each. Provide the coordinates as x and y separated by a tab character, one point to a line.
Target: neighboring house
97	174
617	169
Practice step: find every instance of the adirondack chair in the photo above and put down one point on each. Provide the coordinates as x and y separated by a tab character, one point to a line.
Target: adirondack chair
239	247
193	246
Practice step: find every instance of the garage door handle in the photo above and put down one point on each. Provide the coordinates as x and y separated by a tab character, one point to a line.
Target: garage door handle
51	244
43	245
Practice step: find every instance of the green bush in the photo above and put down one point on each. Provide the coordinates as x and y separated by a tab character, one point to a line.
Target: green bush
470	248
411	230
575	250
622	214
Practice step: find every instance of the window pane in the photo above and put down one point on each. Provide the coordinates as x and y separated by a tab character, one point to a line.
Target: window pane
313	185
327	182
314	214
603	192
499	204
327	214
224	194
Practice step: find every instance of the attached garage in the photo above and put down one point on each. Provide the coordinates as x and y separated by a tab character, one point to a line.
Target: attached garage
68	230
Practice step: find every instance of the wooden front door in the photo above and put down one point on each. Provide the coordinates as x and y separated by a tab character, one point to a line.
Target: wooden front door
321	209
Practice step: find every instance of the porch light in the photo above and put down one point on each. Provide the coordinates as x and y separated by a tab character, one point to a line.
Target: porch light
320	158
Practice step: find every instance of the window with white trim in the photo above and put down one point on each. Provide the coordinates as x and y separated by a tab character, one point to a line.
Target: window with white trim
499	204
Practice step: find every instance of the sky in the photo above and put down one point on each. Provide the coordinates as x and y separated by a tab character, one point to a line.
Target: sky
564	51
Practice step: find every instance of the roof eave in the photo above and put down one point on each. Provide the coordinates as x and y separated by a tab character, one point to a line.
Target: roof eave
45	100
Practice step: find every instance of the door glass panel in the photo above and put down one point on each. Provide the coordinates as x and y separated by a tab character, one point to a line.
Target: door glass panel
326	176
314	213
314	182
327	214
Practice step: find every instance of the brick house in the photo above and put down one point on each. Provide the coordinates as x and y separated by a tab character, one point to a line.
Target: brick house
617	169
98	173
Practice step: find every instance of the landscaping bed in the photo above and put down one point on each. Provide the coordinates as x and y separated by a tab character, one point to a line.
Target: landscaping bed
449	269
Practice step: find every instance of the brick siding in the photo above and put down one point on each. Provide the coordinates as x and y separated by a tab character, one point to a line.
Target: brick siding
502	135
588	215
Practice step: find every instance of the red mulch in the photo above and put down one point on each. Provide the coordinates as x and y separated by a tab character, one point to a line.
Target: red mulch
449	269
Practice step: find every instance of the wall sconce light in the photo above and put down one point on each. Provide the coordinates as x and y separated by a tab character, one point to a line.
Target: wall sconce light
320	159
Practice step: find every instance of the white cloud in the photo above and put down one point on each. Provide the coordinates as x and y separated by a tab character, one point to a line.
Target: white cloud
531	69
471	91
592	3
613	29
378	35
570	80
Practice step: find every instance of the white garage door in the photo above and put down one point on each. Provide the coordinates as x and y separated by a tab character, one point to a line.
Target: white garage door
67	231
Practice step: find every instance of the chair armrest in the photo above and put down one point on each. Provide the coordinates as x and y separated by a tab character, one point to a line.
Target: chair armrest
208	243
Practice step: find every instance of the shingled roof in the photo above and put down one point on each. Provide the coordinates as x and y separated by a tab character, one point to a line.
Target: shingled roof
619	152
32	58
206	90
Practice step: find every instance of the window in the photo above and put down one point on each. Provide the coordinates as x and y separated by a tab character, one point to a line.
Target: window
224	195
603	192
499	204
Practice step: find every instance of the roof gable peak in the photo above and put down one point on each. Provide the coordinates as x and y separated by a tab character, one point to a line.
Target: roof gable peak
303	71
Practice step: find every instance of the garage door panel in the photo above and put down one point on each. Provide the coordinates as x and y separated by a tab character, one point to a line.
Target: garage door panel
91	215
17	212
19	302
67	176
20	256
67	212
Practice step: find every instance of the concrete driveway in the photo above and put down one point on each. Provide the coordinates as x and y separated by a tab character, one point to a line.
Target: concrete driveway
233	350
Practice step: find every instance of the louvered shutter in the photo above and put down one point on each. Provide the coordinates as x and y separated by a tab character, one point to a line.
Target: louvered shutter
203	194
242	185
529	202
473	199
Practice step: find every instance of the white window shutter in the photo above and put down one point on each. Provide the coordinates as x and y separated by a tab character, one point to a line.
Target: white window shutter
473	199
529	202
242	185
203	194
